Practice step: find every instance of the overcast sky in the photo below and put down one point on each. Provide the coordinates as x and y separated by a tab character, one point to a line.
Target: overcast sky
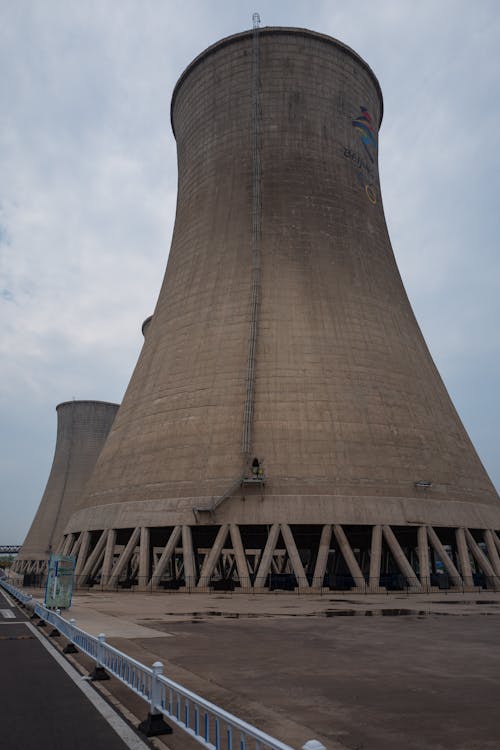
88	187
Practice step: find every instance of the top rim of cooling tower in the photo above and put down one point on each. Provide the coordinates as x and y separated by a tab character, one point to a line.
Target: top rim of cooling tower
275	31
79	402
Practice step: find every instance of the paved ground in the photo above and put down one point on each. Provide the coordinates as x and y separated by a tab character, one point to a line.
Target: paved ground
40	706
377	683
136	615
364	672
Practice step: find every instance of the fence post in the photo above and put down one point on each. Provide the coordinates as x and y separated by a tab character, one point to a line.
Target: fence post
99	672
70	647
155	724
54	633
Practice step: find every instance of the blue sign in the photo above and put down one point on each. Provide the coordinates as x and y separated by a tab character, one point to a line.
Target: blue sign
59	587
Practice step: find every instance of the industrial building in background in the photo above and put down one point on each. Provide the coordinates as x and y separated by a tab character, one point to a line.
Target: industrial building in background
285	425
82	428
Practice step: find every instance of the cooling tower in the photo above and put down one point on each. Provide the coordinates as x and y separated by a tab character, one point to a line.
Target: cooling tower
82	428
285	425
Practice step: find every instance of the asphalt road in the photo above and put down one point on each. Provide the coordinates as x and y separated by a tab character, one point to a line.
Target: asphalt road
41	707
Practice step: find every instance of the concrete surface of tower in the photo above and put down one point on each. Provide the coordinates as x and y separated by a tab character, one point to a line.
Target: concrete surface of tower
82	428
283	333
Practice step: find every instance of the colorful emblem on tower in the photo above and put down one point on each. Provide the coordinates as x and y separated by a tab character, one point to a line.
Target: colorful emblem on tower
365	169
364	128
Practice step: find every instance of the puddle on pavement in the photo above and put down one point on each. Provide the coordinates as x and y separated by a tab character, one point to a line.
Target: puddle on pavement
468	601
374	612
419	613
197	617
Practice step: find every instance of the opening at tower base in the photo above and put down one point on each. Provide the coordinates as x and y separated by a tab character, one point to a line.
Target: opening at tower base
285	426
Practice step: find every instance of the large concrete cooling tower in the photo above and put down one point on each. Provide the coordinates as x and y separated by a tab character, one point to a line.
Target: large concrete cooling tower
82	428
285	424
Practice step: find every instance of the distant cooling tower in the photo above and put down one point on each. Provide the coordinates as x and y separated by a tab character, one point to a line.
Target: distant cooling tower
285	425
145	325
82	428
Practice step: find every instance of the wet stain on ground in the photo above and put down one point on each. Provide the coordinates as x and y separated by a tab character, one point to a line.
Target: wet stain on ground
197	617
468	602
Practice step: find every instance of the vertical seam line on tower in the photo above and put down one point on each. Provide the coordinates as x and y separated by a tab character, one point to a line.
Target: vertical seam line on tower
256	233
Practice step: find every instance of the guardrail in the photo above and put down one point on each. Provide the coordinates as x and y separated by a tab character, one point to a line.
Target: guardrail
208	724
19	595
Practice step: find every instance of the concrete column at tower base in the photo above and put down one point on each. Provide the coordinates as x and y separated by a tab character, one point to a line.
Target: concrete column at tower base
306	559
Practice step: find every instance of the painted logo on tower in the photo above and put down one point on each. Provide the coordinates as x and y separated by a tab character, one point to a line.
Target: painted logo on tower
363	126
365	163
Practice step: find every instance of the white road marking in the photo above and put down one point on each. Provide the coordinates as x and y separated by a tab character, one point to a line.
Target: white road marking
129	737
8	614
7	598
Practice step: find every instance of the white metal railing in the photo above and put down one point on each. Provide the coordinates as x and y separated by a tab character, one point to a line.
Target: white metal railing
19	595
208	724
